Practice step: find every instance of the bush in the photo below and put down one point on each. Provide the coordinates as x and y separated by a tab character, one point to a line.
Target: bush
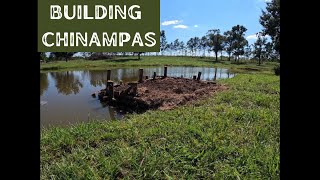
277	70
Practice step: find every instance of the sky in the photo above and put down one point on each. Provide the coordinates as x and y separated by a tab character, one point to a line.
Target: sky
184	19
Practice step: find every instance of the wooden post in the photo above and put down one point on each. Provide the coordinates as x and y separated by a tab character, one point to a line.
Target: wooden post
147	77
194	77
154	75
199	75
140	75
165	71
110	89
108	74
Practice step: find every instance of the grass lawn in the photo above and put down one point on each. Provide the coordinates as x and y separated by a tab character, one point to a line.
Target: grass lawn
154	61
234	134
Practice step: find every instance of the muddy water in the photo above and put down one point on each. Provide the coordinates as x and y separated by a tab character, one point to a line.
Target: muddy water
66	96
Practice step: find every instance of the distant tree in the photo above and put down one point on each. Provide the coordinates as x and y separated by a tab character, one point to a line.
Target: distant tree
260	47
176	45
139	54
204	44
191	45
270	20
228	43
215	41
247	51
163	42
239	41
63	55
182	47
197	44
43	56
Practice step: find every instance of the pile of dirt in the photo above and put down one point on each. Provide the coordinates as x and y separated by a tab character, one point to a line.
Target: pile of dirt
160	93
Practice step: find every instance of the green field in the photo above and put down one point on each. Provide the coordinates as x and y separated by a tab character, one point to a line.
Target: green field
234	134
154	61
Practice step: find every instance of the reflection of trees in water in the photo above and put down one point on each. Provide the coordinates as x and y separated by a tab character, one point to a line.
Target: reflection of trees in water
99	77
44	83
66	82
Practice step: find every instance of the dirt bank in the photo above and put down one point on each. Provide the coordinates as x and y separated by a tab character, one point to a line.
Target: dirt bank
160	93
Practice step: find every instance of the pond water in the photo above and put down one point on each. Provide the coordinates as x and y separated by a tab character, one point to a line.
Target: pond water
65	97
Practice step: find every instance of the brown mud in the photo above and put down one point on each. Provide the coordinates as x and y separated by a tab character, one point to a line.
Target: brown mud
159	93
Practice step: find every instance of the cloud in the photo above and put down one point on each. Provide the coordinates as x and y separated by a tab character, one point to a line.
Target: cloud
196	26
255	37
252	37
180	26
167	23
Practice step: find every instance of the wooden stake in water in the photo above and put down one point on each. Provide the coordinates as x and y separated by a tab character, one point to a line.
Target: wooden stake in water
110	89
154	75
194	77
108	74
140	75
165	71
199	76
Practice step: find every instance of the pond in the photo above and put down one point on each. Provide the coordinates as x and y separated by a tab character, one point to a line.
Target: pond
65	97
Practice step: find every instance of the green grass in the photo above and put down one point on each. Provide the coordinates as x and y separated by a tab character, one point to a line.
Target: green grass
154	61
234	134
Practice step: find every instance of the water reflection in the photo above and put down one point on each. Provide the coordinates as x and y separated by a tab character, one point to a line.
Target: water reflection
44	84
67	94
66	82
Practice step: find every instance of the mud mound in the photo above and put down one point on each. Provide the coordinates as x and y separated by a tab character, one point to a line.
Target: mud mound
160	93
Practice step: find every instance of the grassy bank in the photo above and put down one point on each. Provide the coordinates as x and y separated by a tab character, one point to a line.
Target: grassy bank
234	134
153	61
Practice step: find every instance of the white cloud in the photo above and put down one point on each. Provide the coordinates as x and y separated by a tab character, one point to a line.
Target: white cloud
180	26
196	26
252	37
167	23
255	37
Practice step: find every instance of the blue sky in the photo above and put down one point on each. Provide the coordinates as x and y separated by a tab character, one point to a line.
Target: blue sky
184	19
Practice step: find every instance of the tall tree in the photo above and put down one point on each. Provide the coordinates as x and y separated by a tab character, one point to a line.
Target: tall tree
182	47
163	41
270	20
260	47
176	45
204	44
247	51
191	45
196	41
228	43
215	41
239	41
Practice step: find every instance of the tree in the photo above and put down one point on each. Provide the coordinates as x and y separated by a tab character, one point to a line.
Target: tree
260	47
191	45
204	44
43	56
196	41
176	45
182	47
163	41
239	41
270	20
139	54
215	41
247	51
228	43
63	55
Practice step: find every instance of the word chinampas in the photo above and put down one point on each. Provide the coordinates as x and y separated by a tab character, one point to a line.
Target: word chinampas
115	39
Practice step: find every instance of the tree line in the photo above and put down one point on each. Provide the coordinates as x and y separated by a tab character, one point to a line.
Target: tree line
231	42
